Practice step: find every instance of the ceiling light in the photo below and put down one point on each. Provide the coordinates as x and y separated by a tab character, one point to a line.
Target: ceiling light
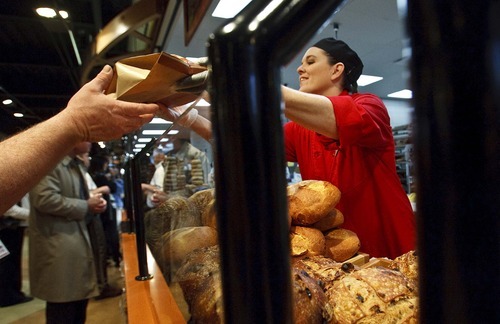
173	132
365	80
403	94
140	145
64	14
19	115
46	12
229	8
51	13
7	102
144	140
157	120
152	132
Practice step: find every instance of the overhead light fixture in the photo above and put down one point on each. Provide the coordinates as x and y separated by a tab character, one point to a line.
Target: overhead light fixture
140	145
51	13
152	132
144	139
160	121
403	94
7	102
18	115
365	80
229	8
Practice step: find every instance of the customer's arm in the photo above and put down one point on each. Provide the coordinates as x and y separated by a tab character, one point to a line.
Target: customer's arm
90	116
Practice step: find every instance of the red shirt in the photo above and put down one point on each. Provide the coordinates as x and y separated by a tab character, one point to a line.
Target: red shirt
362	165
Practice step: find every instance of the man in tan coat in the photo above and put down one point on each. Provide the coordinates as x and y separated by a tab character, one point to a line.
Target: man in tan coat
62	270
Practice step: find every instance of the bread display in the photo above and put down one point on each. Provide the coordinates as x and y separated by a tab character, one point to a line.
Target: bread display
311	200
332	282
374	295
341	244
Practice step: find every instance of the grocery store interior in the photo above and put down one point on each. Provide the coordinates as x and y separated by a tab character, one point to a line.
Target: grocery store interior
45	60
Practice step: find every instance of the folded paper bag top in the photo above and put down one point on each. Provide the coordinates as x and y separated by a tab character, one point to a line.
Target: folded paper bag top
153	78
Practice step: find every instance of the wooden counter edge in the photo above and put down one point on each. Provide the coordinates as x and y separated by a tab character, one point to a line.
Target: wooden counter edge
148	301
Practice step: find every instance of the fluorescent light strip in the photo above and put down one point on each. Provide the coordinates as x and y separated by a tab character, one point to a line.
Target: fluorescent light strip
160	121
365	80
229	8
403	94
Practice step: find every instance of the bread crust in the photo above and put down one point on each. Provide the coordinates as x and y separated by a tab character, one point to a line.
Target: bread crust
311	200
341	244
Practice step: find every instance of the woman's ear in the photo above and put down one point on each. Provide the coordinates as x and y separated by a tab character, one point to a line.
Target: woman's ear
336	71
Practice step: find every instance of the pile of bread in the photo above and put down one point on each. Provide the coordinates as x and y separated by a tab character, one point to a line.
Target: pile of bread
182	235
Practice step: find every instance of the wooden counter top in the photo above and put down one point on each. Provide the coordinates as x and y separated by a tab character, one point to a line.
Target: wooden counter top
148	301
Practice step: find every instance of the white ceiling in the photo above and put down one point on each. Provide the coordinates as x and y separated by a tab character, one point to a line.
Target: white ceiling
373	28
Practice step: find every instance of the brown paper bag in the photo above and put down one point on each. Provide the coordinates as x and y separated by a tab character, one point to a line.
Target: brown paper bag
152	78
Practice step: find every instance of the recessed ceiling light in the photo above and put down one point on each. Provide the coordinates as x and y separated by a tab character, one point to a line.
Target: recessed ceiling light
51	13
403	94
173	132
161	121
229	8
144	139
152	132
19	115
140	145
7	102
365	80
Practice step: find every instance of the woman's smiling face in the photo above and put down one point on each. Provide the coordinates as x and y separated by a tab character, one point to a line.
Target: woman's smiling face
316	75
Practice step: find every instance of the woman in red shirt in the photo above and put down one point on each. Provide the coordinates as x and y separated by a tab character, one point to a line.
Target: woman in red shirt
338	135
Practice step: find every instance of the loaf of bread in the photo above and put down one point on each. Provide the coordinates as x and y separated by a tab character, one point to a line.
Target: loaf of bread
341	244
306	241
311	200
374	295
334	219
324	270
407	264
199	278
202	198
178	243
309	300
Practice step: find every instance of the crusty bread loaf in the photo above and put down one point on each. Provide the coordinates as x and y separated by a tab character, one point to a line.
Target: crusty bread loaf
323	269
199	278
306	241
334	219
202	198
311	200
309	300
341	244
177	244
374	295
175	212
407	264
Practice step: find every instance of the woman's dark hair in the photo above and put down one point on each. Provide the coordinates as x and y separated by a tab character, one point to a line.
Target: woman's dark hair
352	87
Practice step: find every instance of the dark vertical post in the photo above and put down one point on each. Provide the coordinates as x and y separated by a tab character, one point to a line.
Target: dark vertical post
456	86
246	55
140	236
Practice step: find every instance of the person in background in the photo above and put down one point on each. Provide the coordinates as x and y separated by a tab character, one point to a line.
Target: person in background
102	177
89	116
156	184
338	135
62	269
12	228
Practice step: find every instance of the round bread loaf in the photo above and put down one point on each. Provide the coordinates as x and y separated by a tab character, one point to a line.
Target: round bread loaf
306	241
200	281
334	219
311	200
341	244
374	295
309	301
177	244
202	198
